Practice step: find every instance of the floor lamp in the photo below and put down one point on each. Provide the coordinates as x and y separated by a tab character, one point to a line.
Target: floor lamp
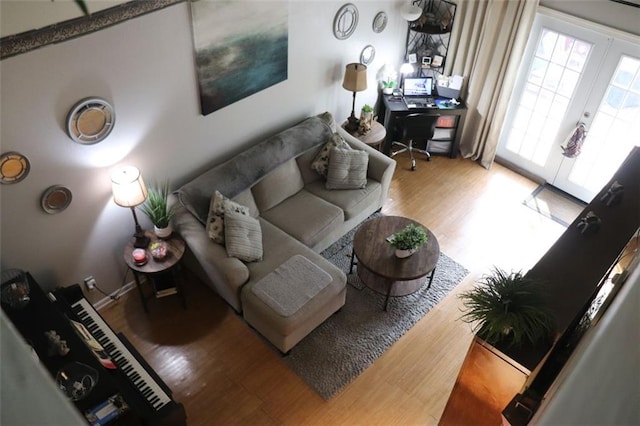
129	191
355	80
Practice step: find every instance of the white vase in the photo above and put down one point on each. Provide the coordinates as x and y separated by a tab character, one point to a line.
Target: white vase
404	253
387	90
163	232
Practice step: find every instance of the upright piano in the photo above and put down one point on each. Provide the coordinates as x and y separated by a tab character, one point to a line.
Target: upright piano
126	374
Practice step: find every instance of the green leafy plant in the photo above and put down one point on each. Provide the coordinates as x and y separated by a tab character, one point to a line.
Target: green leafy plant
411	237
389	84
509	308
367	108
156	206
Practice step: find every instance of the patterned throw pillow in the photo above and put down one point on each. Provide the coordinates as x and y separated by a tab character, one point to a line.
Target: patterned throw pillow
321	163
221	205
243	236
347	169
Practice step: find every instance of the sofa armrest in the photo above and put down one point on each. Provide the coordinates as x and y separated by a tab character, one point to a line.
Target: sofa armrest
224	274
381	167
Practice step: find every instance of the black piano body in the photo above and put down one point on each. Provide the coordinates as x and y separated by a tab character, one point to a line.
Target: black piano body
148	398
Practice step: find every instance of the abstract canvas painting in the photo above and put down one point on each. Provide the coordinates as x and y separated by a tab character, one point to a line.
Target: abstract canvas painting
241	48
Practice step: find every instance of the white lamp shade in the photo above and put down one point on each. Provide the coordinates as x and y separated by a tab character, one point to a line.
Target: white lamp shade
127	186
355	77
411	12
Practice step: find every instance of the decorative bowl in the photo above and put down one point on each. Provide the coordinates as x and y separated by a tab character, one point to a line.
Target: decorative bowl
158	250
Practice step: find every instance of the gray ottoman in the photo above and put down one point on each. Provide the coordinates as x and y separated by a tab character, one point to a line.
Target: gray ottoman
292	300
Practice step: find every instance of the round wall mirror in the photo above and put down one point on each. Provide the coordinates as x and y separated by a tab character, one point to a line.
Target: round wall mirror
90	121
367	55
345	21
55	199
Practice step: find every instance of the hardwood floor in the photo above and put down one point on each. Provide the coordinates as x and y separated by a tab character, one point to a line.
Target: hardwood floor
225	374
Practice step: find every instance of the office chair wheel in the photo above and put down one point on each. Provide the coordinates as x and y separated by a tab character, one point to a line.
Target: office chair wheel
429	158
413	165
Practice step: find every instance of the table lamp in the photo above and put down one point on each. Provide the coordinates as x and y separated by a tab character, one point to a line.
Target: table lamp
355	80
129	191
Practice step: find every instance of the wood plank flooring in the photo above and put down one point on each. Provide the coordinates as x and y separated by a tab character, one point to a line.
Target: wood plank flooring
225	374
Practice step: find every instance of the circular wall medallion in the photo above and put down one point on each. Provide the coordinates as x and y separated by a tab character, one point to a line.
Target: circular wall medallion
379	22
345	21
13	167
367	55
55	199
90	121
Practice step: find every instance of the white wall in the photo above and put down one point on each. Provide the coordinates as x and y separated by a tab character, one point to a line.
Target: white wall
145	67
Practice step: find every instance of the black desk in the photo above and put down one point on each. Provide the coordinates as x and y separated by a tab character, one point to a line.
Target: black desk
446	139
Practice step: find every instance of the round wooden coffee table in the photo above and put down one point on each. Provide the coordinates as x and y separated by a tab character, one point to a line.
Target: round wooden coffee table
380	269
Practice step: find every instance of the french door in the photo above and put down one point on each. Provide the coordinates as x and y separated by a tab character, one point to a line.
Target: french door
573	76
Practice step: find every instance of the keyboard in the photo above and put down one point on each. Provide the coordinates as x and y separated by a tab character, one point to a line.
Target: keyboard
120	355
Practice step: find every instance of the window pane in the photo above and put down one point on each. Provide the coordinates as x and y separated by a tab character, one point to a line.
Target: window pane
562	50
547	43
552	79
579	55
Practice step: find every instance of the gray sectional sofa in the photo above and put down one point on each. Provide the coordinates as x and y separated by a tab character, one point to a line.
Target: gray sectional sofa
298	218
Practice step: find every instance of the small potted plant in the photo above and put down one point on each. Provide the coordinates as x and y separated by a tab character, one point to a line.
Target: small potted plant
409	240
366	119
508	308
157	210
388	86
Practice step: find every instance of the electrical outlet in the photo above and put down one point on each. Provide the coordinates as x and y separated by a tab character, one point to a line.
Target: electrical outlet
90	283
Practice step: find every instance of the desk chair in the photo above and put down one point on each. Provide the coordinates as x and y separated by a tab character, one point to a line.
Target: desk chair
415	127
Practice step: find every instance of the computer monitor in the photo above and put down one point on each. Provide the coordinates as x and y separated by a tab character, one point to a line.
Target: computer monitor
417	86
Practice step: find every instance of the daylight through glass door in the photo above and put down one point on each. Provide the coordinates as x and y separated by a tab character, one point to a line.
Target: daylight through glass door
551	81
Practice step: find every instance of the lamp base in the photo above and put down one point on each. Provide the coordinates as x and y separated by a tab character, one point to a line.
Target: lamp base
141	241
352	124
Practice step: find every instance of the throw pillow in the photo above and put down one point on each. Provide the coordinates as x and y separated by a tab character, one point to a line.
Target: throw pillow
219	207
243	236
347	169
321	163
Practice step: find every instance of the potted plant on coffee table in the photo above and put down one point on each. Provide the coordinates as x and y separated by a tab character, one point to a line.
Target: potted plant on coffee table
408	240
157	209
508	308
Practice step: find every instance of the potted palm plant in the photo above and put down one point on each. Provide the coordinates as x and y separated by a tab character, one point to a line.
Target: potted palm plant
157	209
508	308
408	240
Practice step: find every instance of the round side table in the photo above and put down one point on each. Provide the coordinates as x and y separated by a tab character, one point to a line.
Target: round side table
162	274
375	137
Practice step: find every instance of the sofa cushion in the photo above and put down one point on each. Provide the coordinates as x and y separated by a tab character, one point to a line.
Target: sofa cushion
243	237
321	163
278	185
245	198
305	217
352	201
221	205
291	285
347	169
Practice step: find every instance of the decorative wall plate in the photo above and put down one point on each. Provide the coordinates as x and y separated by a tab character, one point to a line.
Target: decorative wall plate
345	21
379	22
13	167
55	199
90	121
367	55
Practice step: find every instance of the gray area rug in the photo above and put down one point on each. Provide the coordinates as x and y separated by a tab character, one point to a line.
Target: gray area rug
347	343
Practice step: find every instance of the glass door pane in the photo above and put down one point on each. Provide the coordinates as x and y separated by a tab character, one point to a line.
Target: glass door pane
551	82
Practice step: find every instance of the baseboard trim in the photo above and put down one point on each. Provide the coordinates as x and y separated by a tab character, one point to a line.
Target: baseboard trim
509	165
113	297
